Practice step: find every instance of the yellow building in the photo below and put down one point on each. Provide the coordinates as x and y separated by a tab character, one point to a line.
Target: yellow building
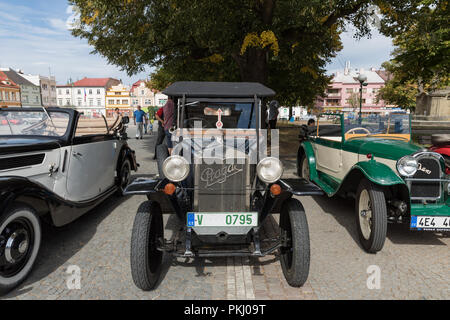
118	97
9	92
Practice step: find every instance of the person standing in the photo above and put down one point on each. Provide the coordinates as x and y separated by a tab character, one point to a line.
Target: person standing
168	111
273	114
159	115
140	119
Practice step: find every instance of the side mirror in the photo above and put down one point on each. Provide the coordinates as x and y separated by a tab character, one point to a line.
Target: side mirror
125	120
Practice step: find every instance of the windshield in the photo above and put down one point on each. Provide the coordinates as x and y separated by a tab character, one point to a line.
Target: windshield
33	123
396	125
227	115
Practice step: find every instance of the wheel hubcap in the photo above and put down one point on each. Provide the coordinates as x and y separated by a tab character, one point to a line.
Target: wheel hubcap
305	169
365	214
15	244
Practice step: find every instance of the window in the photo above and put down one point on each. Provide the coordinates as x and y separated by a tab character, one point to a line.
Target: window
44	86
90	91
53	88
98	91
117	93
59	91
111	101
37	99
7	96
60	102
99	102
67	91
162	102
91	102
25	99
68	102
79	102
349	90
124	101
364	90
142	92
148	101
118	101
79	91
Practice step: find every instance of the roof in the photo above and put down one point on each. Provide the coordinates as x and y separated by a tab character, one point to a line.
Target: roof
4	79
92	82
18	79
352	75
218	89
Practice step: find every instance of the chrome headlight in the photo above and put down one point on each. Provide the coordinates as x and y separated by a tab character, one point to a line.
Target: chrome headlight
407	166
269	170
176	168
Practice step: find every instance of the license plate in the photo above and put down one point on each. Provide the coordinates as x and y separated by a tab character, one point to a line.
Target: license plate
232	219
430	223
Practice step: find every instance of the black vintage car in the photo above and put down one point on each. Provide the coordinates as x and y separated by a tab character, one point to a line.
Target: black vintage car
49	172
221	185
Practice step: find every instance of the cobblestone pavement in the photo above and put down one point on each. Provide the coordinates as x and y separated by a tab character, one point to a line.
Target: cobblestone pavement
413	265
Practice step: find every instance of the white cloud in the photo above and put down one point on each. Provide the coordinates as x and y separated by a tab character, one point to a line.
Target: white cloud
58	23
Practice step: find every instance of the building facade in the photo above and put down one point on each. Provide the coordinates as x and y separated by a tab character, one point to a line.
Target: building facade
344	92
30	94
118	96
47	88
141	95
86	95
9	92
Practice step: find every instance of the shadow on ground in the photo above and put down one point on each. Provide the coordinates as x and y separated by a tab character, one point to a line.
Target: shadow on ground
60	244
343	211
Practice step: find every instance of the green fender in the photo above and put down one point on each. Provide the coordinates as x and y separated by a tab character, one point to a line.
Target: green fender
378	173
309	152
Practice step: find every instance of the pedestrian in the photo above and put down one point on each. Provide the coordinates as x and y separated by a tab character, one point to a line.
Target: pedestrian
311	122
116	113
150	126
273	114
139	121
168	111
159	115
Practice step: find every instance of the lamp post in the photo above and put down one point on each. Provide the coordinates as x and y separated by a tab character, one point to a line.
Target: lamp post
362	81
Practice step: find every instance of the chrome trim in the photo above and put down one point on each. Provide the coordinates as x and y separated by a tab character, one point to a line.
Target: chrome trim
427	155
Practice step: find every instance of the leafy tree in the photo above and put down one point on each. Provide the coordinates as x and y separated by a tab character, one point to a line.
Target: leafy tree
285	44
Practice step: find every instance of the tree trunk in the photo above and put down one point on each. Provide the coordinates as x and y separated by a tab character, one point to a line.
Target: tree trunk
253	65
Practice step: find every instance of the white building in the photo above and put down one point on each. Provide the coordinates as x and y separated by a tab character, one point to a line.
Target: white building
86	95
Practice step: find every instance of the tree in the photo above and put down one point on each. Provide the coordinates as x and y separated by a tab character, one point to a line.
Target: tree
285	44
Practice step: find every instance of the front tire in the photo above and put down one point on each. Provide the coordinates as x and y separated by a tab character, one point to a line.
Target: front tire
295	250
371	216
303	170
146	260
124	175
20	240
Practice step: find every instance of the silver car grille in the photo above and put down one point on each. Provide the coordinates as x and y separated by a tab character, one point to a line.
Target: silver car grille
222	186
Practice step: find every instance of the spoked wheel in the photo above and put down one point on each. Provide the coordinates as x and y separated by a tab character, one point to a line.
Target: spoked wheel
20	239
295	251
371	216
303	168
124	175
146	259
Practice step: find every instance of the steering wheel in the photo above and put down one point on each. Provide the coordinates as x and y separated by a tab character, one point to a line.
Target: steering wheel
190	123
356	129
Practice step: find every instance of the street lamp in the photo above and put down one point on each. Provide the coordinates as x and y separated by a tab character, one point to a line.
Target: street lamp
362	78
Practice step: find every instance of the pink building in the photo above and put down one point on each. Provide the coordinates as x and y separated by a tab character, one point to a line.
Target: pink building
343	94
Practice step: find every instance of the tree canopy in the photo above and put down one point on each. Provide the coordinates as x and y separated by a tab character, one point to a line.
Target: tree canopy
284	44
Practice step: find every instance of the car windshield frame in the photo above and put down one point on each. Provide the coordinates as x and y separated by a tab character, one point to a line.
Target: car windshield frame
35	122
392	125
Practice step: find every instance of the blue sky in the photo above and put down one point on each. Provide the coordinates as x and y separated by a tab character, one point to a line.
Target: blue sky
34	38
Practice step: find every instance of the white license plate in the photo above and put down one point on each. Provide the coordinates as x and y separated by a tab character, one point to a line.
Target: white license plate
430	223
232	219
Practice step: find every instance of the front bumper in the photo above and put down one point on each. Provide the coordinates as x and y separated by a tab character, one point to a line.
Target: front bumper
430	210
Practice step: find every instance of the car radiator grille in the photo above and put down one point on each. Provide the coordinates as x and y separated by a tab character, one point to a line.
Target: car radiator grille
221	187
23	161
429	168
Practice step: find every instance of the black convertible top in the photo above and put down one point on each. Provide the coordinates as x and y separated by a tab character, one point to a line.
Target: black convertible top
218	89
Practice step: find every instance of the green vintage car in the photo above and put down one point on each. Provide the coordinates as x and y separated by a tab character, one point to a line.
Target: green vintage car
372	159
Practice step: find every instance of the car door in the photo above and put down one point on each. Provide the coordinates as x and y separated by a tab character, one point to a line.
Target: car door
328	149
92	164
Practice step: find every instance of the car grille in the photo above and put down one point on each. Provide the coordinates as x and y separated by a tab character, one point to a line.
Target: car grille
429	168
221	187
23	161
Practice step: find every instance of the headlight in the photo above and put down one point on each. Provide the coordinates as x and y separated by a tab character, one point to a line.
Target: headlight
269	170
175	168
407	166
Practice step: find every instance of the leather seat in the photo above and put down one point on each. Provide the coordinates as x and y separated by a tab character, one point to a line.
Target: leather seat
440	139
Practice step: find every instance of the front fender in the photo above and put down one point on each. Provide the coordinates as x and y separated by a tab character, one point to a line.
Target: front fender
309	152
378	173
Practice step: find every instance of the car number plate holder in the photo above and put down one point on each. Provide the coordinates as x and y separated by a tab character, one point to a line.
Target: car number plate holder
430	223
222	219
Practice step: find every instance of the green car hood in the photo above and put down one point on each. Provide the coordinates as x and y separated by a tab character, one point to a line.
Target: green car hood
382	148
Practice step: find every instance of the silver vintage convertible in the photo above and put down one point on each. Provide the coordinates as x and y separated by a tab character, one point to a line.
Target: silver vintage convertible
55	165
